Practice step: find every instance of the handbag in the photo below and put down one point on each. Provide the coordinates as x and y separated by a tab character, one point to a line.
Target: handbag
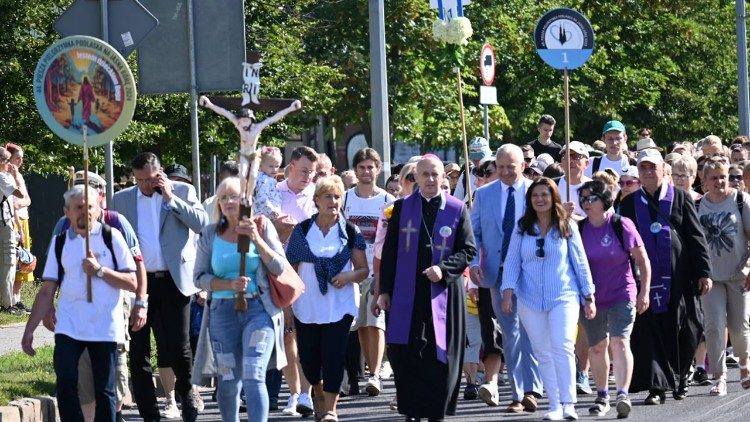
26	261
286	287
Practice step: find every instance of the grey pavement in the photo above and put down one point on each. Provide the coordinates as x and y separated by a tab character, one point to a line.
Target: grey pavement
699	406
10	337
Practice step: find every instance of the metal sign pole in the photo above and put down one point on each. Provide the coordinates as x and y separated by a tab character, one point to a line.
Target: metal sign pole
486	115
194	103
566	84
108	151
381	139
89	295
467	175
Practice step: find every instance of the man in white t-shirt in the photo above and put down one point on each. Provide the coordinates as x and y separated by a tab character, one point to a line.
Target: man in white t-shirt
96	325
363	206
616	140
579	160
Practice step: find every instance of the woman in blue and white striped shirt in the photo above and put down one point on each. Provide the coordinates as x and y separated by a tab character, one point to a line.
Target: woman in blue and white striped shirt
547	270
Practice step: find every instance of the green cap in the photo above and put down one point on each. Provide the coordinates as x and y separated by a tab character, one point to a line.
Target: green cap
613	125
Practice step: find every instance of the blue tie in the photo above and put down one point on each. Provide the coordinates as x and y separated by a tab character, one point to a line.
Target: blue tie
508	222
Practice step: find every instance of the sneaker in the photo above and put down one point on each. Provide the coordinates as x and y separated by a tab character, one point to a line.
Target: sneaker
488	394
305	405
198	400
623	406
480	378
582	383
385	371
393	405
11	310
373	386
171	411
470	392
23	309
554	415
600	407
700	377
569	412
291	406
731	359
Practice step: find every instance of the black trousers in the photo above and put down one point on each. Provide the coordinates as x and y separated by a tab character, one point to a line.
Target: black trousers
322	351
169	316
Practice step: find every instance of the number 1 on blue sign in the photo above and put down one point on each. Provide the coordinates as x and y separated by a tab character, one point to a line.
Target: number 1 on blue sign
565	57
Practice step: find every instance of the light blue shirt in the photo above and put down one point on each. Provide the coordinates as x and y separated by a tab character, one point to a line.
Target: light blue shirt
542	283
225	263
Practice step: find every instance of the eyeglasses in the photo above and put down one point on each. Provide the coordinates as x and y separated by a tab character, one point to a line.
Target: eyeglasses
735	177
678	176
410	177
227	198
540	247
628	183
528	159
589	199
574	156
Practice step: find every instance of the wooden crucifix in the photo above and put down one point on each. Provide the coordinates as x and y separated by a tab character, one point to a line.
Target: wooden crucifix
249	130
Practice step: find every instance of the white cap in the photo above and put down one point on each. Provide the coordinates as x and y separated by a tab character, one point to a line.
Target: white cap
650	155
95	181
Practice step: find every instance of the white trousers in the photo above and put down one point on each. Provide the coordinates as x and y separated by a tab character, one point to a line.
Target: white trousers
552	335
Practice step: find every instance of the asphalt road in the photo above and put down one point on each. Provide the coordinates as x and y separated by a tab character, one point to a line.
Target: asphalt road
10	337
699	406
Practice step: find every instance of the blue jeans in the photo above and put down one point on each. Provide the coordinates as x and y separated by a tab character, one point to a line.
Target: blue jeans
65	361
242	343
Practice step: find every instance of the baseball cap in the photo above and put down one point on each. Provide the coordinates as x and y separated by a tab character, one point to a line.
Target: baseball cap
545	158
650	155
479	149
577	147
646	143
95	181
178	170
538	166
451	167
631	171
613	125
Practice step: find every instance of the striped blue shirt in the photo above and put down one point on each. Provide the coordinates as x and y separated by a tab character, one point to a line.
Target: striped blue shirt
542	283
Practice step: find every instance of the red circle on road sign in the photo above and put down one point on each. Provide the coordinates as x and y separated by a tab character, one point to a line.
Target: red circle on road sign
487	64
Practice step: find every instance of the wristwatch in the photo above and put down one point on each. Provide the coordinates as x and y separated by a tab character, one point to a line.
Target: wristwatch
141	303
100	271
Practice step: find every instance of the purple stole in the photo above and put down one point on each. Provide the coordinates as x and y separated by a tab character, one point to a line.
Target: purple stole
402	302
657	238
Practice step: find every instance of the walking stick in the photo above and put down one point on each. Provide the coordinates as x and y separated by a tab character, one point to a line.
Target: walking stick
89	294
246	210
467	175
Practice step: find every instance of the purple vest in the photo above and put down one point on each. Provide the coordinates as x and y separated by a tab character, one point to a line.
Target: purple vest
402	302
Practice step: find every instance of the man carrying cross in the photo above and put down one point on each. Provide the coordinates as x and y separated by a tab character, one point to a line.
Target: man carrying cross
666	336
428	245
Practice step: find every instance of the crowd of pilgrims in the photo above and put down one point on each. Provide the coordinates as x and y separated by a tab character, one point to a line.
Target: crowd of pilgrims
552	270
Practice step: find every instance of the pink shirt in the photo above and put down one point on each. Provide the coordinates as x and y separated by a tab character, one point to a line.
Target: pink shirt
299	206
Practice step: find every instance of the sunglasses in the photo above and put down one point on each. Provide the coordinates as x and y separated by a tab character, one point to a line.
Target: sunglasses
628	183
540	248
735	177
589	199
410	177
529	172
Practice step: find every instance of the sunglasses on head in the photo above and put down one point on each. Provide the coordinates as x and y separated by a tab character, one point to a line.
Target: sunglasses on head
540	247
410	177
589	199
628	183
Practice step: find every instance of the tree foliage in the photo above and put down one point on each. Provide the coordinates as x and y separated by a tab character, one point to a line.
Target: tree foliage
666	65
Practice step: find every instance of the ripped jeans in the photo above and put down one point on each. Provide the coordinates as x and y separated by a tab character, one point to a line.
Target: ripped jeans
242	343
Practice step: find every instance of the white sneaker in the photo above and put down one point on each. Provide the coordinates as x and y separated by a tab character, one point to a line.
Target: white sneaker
171	411
373	386
393	404
198	399
305	405
385	370
554	415
488	394
569	412
291	406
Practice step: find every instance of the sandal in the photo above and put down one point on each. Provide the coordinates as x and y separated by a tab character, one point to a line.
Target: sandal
329	417
745	382
719	388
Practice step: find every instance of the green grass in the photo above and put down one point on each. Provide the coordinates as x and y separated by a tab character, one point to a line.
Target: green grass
28	293
25	376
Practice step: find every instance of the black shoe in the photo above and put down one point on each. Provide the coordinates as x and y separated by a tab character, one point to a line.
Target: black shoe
189	408
353	390
680	393
11	310
23	309
471	392
273	403
411	419
655	397
700	377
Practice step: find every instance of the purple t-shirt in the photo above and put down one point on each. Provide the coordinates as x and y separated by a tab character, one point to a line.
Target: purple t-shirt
609	263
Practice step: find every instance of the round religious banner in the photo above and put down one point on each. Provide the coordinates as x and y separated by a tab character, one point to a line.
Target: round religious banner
83	81
564	39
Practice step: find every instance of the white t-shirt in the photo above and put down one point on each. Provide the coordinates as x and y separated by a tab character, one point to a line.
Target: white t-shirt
562	185
313	307
606	163
7	187
364	213
103	318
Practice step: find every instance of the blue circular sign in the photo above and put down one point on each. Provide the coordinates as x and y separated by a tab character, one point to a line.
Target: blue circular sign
564	39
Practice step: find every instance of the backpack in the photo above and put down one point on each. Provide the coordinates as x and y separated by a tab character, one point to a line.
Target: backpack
351	230
617	227
740	202
60	243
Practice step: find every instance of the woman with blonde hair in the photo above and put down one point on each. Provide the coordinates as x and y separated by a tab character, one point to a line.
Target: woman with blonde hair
238	346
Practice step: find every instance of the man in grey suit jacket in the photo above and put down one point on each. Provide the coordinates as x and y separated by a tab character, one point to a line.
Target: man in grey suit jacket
488	217
167	216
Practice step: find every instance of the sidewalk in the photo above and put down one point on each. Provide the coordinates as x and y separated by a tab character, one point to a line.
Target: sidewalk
10	337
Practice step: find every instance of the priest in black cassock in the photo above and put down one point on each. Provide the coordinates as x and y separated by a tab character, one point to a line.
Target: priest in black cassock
428	244
666	335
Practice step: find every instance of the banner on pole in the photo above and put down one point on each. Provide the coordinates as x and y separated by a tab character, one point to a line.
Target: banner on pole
83	81
564	39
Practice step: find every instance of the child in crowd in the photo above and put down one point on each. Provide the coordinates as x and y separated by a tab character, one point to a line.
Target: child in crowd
267	198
